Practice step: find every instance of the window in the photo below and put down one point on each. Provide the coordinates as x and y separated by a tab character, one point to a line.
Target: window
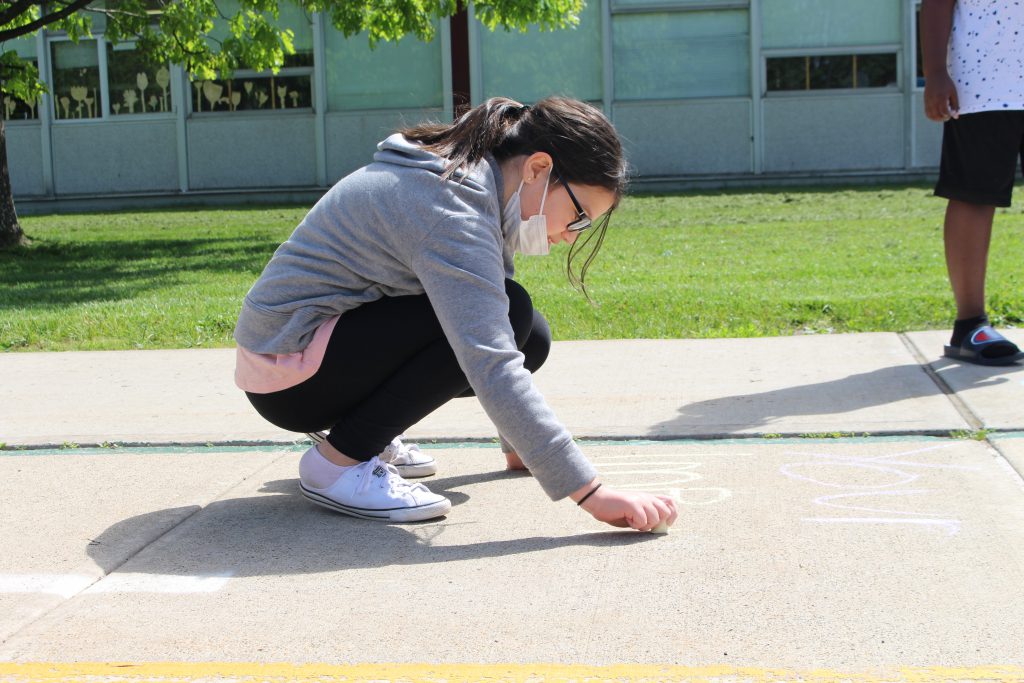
406	74
645	5
669	55
76	80
14	109
571	60
919	59
831	72
136	86
815	24
291	88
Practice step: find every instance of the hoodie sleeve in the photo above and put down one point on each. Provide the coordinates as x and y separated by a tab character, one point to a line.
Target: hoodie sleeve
461	267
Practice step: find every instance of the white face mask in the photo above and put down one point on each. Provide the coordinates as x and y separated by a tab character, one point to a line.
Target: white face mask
531	237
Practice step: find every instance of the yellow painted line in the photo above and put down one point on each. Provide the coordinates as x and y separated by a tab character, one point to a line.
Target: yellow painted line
212	672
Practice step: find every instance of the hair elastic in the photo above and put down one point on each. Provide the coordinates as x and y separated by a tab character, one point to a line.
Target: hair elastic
581	500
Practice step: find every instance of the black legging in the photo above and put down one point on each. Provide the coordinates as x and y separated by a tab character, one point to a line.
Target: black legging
387	366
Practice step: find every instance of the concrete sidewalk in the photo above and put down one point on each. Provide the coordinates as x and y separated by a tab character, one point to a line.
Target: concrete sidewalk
891	551
856	383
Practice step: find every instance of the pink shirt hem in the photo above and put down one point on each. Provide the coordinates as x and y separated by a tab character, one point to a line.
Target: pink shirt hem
264	373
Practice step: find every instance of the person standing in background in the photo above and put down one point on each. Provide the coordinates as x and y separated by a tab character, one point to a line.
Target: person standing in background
974	83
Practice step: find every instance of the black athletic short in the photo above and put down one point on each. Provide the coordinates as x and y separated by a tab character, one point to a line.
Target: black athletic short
979	157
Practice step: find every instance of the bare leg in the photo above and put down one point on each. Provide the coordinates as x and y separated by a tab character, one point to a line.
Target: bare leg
333	455
968	231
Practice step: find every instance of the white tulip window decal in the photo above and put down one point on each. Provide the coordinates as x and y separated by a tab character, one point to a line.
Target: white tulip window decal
163	79
142	80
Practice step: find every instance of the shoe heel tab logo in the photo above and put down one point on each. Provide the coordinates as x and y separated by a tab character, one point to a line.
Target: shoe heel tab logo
379	471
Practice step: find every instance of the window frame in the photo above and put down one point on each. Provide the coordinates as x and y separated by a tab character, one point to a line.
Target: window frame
682	9
105	116
40	103
241	74
41	99
171	111
266	75
894	49
915	49
671	6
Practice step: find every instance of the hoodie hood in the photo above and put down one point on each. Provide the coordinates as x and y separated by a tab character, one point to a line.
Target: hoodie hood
398	150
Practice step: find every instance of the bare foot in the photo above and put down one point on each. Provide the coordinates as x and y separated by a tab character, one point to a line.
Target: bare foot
512	462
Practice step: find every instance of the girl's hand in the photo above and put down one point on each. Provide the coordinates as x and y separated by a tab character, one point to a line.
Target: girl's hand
633	509
513	462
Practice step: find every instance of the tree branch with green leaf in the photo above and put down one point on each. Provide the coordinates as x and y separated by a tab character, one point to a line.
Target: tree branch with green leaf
179	32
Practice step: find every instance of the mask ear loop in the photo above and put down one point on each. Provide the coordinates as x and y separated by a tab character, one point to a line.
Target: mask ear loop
544	197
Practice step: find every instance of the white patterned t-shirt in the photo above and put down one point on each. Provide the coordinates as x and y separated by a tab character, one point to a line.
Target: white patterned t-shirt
986	54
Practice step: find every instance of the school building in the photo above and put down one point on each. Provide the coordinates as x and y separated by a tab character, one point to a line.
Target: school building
702	91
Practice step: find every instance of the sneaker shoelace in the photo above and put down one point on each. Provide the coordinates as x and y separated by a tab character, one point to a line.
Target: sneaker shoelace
400	453
390	478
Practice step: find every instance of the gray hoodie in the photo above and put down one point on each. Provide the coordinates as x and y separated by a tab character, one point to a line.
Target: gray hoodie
395	228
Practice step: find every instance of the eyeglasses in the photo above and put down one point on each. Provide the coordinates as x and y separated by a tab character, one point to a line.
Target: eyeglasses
582	221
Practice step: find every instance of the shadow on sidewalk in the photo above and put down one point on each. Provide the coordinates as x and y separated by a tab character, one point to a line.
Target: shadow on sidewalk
735	414
283	533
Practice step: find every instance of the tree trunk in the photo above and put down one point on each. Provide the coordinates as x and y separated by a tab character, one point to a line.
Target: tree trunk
10	230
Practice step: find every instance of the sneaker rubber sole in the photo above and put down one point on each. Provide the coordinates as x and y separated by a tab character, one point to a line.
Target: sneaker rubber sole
424	469
403	514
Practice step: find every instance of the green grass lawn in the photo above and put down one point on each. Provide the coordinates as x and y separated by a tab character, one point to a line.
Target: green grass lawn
712	264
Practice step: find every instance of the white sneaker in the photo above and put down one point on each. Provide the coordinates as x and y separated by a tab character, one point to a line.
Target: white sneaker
375	490
409	460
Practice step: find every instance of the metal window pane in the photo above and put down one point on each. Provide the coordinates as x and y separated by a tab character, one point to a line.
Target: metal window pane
876	71
290	17
919	54
280	92
136	86
24	46
682	4
402	75
15	109
76	80
681	55
830	23
571	61
787	73
295	18
290	88
831	72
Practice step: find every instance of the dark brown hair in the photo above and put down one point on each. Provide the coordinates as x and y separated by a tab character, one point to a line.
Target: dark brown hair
582	143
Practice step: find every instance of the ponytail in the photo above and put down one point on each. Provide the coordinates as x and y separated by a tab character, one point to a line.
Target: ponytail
485	129
582	142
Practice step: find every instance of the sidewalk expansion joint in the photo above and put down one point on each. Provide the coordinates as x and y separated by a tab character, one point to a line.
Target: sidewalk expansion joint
172	447
966	413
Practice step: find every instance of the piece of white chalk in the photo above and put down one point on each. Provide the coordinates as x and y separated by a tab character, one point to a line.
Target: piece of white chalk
662	528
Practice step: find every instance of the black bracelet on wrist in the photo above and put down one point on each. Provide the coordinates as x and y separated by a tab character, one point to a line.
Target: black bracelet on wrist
589	494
